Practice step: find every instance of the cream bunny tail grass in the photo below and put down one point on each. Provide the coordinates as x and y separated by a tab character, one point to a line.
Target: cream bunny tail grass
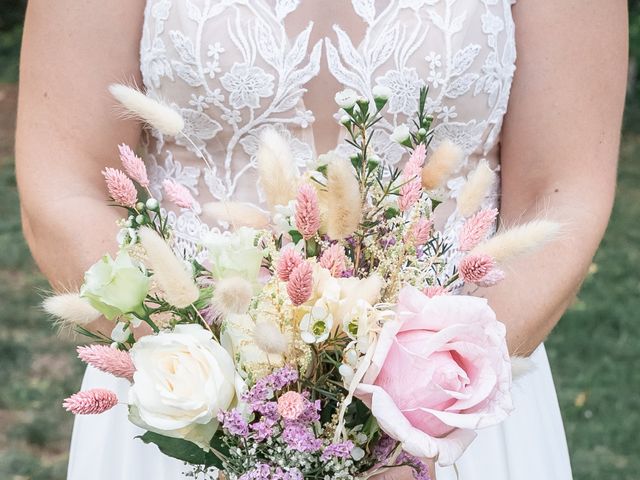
520	366
169	272
344	207
71	309
236	214
269	338
158	115
276	169
476	189
519	240
232	295
444	161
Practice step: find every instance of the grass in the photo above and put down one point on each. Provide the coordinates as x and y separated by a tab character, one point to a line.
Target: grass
593	351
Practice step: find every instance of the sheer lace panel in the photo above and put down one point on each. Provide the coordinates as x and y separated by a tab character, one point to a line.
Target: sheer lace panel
236	67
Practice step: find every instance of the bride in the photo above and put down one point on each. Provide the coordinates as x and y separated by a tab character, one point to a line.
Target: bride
236	67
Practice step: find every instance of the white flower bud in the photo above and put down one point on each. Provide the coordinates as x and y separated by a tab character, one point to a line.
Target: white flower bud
381	92
345	120
346	98
152	204
401	134
140	219
347	372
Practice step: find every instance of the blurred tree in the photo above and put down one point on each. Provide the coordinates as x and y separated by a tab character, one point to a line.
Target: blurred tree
12	14
11	17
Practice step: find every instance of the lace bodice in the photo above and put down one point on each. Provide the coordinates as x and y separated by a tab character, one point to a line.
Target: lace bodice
236	67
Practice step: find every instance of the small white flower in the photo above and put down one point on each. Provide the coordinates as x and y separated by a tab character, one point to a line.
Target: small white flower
347	373
346	98
316	325
382	92
283	218
401	134
120	332
357	453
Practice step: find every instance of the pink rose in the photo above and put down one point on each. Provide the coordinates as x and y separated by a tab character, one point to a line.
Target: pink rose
439	371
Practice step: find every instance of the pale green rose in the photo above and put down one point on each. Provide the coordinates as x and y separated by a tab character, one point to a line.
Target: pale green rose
234	254
115	287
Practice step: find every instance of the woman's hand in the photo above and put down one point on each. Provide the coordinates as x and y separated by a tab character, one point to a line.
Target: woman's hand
403	473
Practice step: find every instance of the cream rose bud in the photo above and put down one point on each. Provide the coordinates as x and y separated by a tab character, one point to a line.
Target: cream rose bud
183	379
115	287
234	254
347	98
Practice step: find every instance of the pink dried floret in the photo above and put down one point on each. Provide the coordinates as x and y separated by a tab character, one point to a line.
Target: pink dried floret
300	284
120	187
133	165
108	359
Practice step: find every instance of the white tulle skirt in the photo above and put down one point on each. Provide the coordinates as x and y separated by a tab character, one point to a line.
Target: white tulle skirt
529	445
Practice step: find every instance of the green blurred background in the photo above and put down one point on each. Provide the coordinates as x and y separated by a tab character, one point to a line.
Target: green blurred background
594	350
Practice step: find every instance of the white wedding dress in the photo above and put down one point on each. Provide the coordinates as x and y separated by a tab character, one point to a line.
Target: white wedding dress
236	67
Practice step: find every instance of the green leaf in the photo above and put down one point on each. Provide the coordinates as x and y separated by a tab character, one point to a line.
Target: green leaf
182	450
295	235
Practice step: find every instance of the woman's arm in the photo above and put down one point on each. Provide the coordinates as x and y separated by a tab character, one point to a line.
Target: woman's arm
68	130
559	152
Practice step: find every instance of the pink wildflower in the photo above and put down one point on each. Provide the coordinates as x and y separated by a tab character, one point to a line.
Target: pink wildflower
494	276
307	211
289	259
334	260
133	165
90	402
475	268
300	284
121	188
420	232
435	290
178	194
476	229
412	188
109	360
291	405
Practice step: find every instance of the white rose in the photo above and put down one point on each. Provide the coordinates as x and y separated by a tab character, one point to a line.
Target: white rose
183	379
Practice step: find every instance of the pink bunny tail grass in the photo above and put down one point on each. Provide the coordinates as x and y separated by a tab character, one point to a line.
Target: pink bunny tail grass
411	190
289	259
178	194
133	165
435	291
334	259
476	229
91	402
420	232
476	268
109	360
307	211
300	284
120	187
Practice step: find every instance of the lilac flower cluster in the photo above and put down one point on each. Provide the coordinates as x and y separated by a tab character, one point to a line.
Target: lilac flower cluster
262	471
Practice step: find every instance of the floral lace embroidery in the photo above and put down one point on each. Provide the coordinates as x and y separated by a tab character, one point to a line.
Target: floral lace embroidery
232	70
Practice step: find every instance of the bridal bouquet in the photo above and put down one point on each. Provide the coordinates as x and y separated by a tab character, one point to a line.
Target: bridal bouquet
333	344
